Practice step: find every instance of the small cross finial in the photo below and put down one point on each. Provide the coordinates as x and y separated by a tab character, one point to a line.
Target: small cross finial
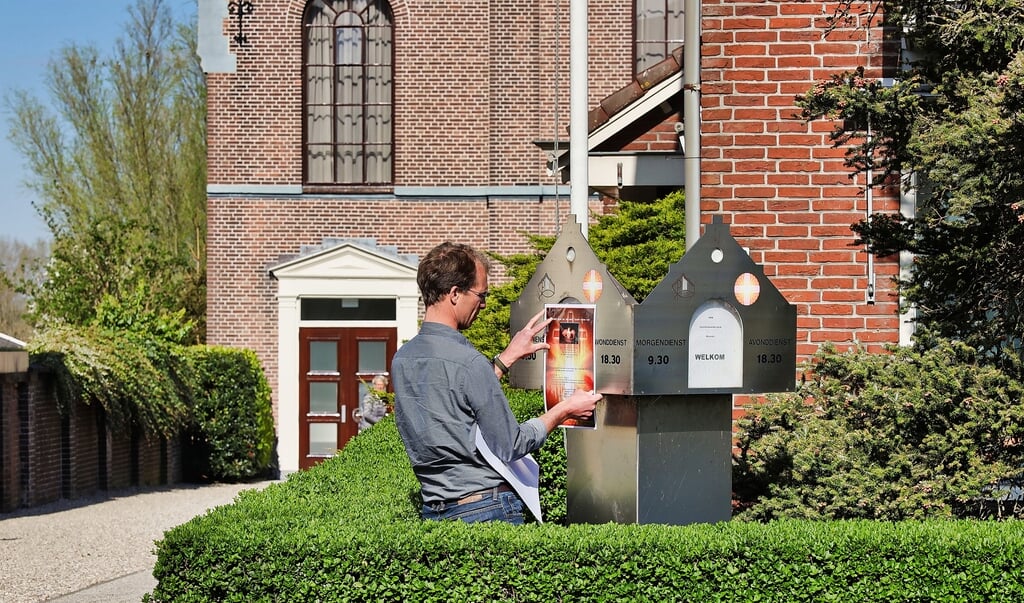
242	9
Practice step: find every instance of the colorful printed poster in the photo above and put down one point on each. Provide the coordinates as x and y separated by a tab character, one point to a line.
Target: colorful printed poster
570	362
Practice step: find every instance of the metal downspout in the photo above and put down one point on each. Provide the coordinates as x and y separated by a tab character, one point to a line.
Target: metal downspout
579	185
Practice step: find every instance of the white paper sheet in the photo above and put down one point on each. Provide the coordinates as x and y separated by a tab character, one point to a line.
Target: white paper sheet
523	475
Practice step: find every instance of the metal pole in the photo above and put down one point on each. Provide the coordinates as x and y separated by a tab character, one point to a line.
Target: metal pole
579	189
691	118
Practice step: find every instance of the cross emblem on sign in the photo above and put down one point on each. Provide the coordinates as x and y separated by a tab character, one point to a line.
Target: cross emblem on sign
747	289
593	285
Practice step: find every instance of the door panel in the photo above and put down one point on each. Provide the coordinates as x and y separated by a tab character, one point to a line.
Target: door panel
336	366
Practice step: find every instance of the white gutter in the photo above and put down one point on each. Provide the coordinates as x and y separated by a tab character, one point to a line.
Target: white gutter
579	189
691	118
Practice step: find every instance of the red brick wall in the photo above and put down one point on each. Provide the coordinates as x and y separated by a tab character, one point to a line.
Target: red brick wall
790	197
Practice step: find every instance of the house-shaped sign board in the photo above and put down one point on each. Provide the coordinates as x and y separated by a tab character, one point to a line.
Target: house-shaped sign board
660	449
715	324
572	274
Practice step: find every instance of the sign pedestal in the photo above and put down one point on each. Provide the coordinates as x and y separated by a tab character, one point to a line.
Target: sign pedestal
653	459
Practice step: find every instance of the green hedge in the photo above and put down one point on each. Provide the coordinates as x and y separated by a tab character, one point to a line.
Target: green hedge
216	398
232	432
349	530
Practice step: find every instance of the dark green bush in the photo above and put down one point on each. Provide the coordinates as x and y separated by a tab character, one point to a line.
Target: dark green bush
551	456
349	530
911	434
232	434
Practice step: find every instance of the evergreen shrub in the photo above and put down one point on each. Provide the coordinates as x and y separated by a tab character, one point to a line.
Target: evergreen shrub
232	432
917	433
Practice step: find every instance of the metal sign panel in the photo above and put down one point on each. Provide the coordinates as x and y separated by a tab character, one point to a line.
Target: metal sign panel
572	274
661	448
715	324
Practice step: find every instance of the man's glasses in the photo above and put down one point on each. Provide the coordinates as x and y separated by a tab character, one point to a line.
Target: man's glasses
480	294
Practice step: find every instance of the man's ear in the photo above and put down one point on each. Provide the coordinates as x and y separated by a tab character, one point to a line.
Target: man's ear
452	293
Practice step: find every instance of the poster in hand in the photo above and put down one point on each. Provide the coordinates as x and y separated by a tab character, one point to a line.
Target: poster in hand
570	362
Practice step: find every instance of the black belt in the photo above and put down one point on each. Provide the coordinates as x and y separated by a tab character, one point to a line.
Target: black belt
478	496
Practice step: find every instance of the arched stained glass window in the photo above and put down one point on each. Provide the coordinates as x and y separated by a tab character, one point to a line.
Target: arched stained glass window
348	93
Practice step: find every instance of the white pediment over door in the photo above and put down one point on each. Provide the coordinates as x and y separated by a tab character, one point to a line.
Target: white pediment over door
347	267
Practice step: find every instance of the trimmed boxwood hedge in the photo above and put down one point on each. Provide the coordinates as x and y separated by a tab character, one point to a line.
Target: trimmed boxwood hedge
231	436
348	530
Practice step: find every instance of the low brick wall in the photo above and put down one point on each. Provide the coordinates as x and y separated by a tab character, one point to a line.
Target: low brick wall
45	457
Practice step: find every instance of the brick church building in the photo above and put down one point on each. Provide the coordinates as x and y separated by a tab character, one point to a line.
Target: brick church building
348	137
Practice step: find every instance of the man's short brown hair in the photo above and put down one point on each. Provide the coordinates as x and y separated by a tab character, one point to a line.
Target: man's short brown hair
445	266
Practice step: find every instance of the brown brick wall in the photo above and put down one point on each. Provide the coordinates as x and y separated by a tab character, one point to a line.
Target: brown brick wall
476	85
10	431
256	139
41	427
119	462
150	462
46	458
255	234
85	473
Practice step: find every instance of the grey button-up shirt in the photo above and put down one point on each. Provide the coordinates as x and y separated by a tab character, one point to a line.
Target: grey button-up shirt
443	387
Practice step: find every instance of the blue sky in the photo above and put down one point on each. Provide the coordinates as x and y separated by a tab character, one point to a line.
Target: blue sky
31	33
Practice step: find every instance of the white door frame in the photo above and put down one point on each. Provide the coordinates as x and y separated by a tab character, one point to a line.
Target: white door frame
349	269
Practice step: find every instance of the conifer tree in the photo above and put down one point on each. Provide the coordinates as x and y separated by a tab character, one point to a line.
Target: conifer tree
950	130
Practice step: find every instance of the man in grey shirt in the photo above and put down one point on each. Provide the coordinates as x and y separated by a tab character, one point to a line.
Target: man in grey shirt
444	388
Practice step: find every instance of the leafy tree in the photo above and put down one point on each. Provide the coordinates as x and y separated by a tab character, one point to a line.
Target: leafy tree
120	171
954	123
638	243
19	263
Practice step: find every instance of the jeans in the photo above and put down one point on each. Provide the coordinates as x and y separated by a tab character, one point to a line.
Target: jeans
497	506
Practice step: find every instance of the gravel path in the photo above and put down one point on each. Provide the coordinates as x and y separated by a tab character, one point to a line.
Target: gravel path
67	546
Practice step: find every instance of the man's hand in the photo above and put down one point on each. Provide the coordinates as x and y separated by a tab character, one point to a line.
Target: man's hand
522	343
580	405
